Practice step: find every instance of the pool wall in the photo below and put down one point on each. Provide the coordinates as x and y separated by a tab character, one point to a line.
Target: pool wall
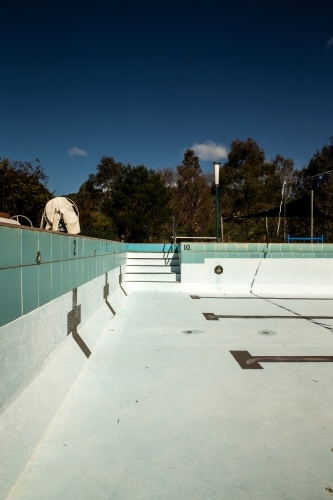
51	316
257	268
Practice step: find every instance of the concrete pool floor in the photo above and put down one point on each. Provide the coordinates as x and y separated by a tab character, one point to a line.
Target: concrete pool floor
157	413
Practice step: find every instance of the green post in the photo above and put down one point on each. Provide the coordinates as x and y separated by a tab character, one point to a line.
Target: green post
217	211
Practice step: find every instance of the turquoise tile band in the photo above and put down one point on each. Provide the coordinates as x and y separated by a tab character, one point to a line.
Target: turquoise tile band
66	262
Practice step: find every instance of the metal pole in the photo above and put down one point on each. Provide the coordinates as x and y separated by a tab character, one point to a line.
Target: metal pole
222	229
174	230
267	230
217	211
284	218
311	220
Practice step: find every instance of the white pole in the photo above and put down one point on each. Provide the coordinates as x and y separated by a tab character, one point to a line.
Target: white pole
311	222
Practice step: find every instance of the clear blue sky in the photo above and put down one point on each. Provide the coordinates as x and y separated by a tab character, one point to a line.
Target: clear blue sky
142	81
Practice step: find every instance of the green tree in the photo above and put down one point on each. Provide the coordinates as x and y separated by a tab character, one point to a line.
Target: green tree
192	199
250	183
313	177
24	189
138	203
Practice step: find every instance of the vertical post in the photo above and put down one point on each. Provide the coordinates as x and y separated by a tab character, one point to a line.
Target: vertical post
217	177
267	241
217	211
174	238
222	229
284	217
311	219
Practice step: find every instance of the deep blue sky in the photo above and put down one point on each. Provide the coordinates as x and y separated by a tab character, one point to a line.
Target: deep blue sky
142	81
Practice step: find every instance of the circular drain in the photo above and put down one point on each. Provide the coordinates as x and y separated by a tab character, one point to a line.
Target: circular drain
190	332
267	333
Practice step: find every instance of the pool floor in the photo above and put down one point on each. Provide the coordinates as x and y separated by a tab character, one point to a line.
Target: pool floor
157	413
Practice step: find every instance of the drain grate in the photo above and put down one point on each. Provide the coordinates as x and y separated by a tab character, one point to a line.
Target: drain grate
191	332
267	333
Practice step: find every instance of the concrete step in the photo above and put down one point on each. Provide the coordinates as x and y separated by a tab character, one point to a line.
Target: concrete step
152	255
152	262
142	268
171	286
152	277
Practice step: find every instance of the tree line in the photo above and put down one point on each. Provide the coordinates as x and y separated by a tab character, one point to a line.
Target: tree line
134	203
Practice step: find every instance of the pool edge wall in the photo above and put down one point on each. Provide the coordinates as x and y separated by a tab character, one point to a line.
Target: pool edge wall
52	314
305	269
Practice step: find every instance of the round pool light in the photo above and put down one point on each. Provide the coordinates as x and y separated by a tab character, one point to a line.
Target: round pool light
218	270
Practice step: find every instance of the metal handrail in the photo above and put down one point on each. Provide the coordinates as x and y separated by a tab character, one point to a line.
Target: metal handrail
195	238
319	239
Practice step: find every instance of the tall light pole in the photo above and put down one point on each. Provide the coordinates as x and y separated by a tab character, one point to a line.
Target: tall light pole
217	181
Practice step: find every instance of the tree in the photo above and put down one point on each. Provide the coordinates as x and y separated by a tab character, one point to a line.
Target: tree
313	177
24	189
138	203
250	183
192	200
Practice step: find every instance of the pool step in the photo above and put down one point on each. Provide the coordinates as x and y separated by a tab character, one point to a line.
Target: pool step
152	267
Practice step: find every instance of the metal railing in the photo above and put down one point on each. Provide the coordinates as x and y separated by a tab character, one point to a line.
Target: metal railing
319	239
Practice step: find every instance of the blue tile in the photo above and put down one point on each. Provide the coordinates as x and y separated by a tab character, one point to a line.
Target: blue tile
85	270
242	247
79	268
10	295
220	247
91	265
199	247
254	247
29	247
274	247
295	247
56	280
255	255
231	247
45	284
307	247
285	247
199	257
217	255
209	247
10	247
287	255
65	253
73	274
30	288
45	246
65	277
56	247
187	257
233	255
320	255
318	248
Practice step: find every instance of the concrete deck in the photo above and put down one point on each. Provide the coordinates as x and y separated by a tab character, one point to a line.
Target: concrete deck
157	413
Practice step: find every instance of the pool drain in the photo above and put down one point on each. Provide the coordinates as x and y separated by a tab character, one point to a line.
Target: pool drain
267	333
190	332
